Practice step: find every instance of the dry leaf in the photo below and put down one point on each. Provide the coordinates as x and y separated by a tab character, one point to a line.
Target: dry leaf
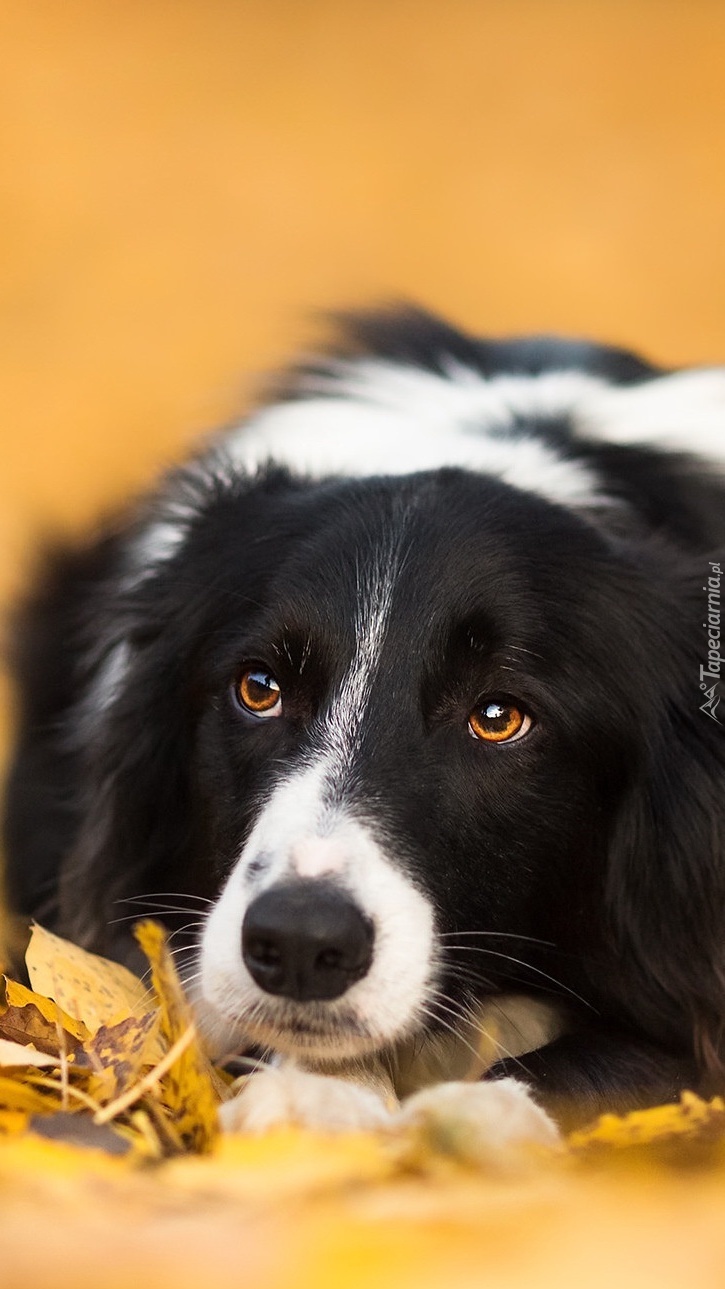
120	1054
21	1095
27	1017
690	1117
189	1089
94	990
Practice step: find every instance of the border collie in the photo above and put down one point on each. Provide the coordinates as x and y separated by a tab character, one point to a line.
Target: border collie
405	693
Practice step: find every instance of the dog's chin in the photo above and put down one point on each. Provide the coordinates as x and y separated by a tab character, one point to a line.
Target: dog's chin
310	1039
334	1045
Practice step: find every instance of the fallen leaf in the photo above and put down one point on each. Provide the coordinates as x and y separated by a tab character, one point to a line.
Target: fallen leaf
690	1117
94	990
189	1085
120	1054
21	1095
28	1017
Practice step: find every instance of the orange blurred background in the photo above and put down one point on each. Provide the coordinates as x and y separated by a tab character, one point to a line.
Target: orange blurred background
184	181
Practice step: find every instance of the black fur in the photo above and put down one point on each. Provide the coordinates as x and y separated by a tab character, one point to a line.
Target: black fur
601	833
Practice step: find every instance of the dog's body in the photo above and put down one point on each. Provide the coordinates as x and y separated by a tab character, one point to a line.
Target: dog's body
424	700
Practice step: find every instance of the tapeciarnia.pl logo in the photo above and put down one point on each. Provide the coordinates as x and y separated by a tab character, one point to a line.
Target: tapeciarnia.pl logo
712	672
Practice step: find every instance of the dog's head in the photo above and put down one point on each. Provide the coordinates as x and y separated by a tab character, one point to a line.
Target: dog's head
419	739
397	753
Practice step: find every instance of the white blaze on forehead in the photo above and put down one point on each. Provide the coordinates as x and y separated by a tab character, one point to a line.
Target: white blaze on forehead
375	588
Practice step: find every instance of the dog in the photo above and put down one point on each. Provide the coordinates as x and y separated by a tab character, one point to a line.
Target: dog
399	704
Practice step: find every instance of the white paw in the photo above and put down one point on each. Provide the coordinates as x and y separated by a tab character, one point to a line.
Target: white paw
276	1096
491	1124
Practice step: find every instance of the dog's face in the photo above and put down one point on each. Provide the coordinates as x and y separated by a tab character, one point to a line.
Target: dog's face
397	693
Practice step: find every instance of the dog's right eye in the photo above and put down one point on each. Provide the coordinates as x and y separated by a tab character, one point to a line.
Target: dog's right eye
259	693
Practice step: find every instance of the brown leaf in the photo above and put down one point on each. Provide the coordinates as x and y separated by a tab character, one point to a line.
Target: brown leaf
27	1017
119	1054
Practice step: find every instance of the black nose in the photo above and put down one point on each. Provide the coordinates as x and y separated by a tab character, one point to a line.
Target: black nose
306	940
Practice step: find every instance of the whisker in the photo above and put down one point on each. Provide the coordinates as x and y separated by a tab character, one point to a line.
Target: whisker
498	935
489	999
475	948
468	976
473	1020
450	1028
430	1014
138	917
190	926
154	897
256	1063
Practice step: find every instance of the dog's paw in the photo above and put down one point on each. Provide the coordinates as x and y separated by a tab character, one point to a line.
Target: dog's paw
495	1124
277	1096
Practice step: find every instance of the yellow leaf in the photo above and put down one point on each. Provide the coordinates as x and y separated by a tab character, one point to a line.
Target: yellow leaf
96	991
27	1017
18	1094
12	1121
689	1117
188	1086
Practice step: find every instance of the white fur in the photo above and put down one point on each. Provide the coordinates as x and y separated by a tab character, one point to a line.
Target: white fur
317	857
683	412
283	1095
385	1004
487	1124
374	416
185	498
110	678
342	721
158	544
371	417
338	436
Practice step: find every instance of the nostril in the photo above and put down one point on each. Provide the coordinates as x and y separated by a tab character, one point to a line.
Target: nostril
329	958
263	951
306	940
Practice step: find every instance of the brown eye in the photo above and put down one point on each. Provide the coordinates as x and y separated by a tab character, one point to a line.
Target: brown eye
499	720
259	693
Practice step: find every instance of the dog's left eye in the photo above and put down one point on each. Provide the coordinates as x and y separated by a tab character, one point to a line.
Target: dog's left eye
499	720
259	693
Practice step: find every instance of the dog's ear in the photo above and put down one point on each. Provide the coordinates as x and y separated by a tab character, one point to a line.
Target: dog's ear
665	880
136	833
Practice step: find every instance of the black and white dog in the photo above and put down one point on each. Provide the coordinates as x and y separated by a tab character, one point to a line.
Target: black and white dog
410	684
